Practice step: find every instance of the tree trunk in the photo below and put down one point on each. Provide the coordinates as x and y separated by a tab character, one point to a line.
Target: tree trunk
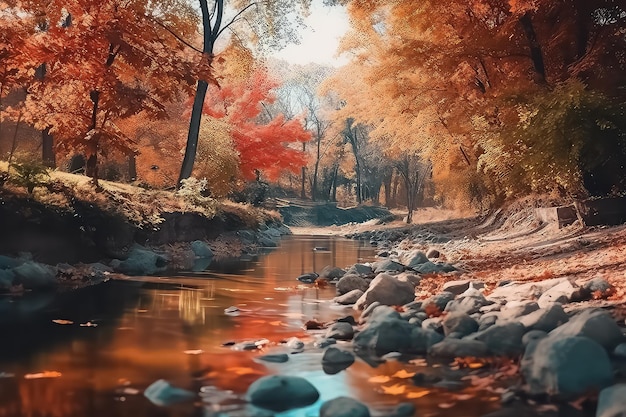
535	49
47	149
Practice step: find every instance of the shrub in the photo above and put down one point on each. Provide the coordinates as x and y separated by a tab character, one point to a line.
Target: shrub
29	174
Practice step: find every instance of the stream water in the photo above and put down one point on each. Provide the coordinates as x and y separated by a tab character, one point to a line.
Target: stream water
117	338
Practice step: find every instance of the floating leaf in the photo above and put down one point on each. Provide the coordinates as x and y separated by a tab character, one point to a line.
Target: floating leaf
403	374
446	405
379	379
417	394
193	352
463	397
61	321
44	374
88	324
396	389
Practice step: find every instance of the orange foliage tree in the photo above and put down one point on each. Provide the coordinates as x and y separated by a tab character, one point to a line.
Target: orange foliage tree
110	60
262	147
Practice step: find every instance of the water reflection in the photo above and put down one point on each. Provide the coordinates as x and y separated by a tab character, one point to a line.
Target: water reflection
173	328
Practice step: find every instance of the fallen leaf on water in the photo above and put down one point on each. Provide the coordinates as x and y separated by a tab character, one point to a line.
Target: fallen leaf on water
193	352
403	374
475	365
61	321
396	389
417	394
275	323
244	371
88	324
44	374
446	405
463	397
142	311
380	379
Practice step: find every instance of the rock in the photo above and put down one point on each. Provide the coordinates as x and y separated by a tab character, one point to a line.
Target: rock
332	272
281	393
437	303
561	293
597	325
344	407
566	366
612	402
387	266
409	277
201	249
347	319
335	360
620	350
434	268
414	259
349	298
512	291
6	279
387	290
361	270
433	253
324	343
403	410
268	238
277	358
452	348
8	262
514	309
141	261
308	278
295	344
460	286
598	287
467	305
369	310
546	319
340	331
459	323
423	339
502	339
35	276
433	323
351	282
162	393
533	336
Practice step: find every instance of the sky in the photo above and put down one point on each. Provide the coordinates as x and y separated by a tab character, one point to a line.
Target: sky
326	25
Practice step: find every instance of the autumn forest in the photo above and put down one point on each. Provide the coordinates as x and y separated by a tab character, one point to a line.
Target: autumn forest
455	103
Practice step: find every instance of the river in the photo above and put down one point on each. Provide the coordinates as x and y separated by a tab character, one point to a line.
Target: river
91	353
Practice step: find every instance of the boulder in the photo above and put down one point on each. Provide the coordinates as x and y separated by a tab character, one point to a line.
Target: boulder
274	358
403	410
620	351
414	259
546	319
268	238
514	309
612	402
597	325
350	282
387	266
450	348
35	276
335	360
459	323
332	273
562	293
437	303
433	323
467	305
598	288
387	290
162	393
511	291
532	337
365	314
201	249
566	366
349	298
140	261
6	279
457	287
502	339
281	392
433	253
434	268
423	339
340	331
361	270
7	262
344	407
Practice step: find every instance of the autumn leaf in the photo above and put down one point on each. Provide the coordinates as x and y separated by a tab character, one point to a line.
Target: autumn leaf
403	374
417	394
44	374
63	322
396	389
379	379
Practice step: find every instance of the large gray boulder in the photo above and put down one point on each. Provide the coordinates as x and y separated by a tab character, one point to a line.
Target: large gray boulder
387	266
467	305
35	276
457	287
281	393
387	290
612	402
459	323
361	270
566	366
437	303
351	282
414	259
349	298
332	273
201	249
336	360
515	309
454	348
502	339
140	261
561	293
434	268
546	319
524	291
597	325
340	331
344	407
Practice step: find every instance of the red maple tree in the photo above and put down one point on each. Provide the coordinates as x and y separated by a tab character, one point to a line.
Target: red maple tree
262	140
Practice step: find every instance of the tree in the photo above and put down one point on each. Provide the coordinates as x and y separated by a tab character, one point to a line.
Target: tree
115	60
272	23
262	147
414	172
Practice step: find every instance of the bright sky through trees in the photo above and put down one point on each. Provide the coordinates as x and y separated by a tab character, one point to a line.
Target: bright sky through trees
325	26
